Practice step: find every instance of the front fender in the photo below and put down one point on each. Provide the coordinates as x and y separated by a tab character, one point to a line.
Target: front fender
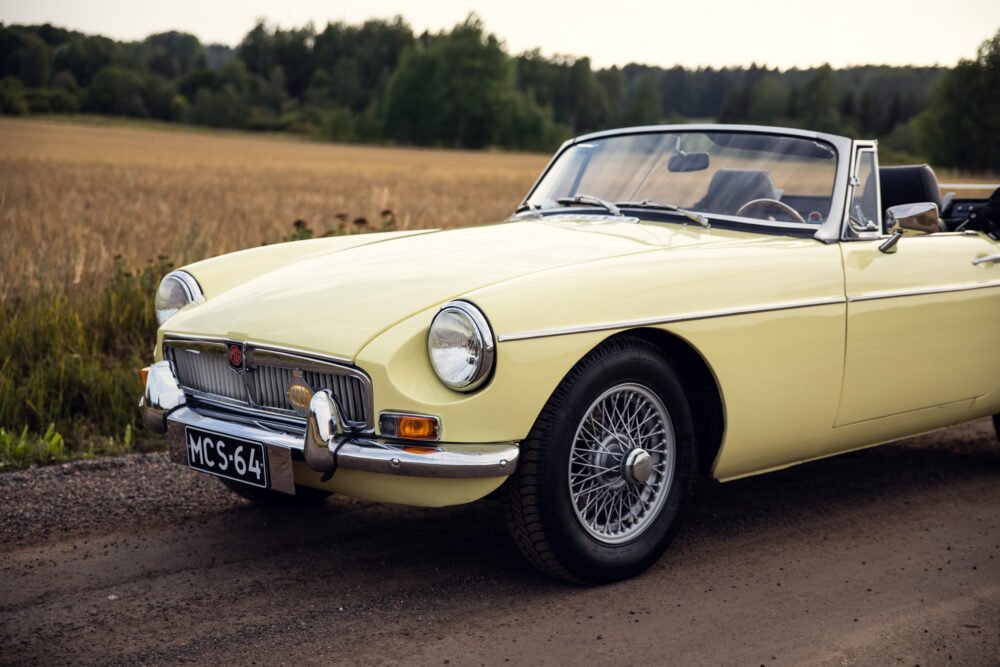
504	410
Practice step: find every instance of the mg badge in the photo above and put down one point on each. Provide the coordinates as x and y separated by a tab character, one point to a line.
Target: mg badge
236	356
299	395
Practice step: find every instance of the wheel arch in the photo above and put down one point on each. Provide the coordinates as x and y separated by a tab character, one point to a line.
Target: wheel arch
541	511
698	377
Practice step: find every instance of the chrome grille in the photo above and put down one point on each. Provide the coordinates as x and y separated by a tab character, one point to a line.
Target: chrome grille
208	373
203	370
270	387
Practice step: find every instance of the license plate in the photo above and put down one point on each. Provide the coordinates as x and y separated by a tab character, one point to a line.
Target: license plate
223	455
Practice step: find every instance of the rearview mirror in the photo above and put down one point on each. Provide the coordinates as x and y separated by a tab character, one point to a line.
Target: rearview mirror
919	218
684	162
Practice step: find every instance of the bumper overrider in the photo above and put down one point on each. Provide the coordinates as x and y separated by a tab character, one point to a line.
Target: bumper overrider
326	446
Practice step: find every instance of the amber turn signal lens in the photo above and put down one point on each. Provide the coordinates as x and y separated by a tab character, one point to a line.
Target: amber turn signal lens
409	427
418	428
145	375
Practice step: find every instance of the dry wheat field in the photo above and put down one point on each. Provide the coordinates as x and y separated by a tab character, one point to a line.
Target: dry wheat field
75	196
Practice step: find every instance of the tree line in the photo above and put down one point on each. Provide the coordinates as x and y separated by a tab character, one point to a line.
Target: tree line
379	82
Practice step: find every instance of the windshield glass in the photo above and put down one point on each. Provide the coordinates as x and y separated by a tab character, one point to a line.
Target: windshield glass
757	176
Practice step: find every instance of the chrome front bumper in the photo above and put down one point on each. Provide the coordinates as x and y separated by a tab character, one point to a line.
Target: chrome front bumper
325	447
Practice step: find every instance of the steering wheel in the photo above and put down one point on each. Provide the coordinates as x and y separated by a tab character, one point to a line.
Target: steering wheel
771	204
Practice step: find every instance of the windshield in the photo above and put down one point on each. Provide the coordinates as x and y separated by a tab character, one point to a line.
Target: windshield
757	176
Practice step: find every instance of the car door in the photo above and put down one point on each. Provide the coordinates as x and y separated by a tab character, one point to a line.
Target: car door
922	321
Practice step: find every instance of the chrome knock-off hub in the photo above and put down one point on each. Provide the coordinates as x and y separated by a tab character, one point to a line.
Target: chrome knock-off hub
637	466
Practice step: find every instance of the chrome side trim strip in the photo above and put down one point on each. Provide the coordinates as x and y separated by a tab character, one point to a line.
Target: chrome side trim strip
895	294
750	310
685	317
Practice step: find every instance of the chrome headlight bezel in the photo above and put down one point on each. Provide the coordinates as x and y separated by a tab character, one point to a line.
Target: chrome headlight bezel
176	290
481	341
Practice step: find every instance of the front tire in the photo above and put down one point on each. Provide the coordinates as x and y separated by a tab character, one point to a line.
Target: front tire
606	468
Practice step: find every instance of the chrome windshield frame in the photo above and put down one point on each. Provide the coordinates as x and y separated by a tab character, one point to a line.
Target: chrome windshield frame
828	232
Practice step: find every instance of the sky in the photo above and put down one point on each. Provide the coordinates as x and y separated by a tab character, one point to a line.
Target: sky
776	33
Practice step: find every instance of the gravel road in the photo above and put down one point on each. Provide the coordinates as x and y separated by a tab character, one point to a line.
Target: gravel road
887	558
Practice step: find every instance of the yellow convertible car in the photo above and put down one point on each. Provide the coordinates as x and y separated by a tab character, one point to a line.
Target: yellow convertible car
667	302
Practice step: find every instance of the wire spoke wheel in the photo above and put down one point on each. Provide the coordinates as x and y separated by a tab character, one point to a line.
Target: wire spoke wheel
605	471
621	463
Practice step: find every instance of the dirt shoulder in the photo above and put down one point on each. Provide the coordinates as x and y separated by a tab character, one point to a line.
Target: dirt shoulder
892	557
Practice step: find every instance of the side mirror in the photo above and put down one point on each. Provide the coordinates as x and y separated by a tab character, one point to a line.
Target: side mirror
684	162
919	218
907	219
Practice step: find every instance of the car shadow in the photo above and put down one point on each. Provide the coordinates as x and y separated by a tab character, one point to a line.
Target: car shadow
470	541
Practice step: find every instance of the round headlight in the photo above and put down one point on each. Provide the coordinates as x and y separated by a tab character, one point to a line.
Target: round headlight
177	289
460	346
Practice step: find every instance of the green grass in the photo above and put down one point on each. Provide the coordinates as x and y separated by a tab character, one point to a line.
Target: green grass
27	449
69	369
18	451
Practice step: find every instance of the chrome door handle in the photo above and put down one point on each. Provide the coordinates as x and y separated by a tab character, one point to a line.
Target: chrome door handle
983	260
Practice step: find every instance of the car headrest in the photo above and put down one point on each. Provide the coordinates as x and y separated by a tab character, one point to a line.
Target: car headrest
729	189
908	185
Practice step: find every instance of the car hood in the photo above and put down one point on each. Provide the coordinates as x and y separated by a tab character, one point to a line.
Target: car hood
334	302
